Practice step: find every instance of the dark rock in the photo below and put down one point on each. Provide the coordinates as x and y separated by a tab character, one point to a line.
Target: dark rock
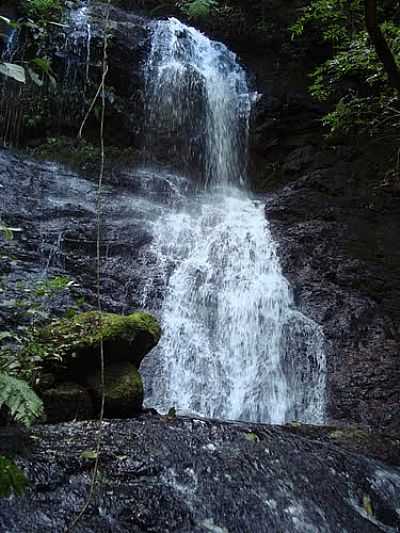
65	402
56	210
123	390
357	439
337	234
157	474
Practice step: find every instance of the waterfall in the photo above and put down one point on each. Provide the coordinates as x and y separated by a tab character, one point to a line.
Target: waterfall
198	103
233	346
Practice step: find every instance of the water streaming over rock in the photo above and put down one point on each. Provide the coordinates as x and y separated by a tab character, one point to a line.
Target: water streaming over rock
233	344
198	103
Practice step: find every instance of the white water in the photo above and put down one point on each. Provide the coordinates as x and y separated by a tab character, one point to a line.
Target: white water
198	103
233	345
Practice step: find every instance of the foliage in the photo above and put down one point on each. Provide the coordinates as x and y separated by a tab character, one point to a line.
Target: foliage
12	479
38	68
42	9
358	61
23	403
196	9
373	115
353	78
336	19
22	356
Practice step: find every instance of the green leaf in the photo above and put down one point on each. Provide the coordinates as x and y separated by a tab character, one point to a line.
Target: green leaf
11	70
9	22
89	455
252	437
43	64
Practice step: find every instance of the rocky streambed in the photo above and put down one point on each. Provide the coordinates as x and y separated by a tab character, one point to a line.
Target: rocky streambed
182	474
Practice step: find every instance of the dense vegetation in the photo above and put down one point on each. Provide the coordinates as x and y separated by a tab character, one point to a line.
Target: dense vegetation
356	77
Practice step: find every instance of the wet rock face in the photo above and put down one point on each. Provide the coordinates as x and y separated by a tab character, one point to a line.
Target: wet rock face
161	474
56	210
75	49
337	246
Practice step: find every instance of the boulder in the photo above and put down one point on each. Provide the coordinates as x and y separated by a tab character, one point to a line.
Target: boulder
123	390
77	340
72	348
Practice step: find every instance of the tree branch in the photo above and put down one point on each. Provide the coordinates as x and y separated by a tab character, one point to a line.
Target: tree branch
380	44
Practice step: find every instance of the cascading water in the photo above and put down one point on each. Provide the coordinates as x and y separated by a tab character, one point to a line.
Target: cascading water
233	345
198	104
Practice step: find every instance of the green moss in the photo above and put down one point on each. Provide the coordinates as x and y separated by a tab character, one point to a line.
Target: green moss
123	389
76	341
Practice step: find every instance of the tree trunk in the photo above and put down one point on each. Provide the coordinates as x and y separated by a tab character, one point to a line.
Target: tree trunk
381	46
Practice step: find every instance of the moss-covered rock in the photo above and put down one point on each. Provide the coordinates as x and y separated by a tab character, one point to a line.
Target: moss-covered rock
123	390
67	401
76	341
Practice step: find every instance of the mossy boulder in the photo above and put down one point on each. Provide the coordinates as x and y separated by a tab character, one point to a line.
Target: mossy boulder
123	390
75	342
67	401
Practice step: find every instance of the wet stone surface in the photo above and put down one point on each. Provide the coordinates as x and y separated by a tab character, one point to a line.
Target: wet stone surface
166	474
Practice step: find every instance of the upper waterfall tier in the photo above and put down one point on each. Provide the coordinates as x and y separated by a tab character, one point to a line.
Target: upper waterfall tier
198	105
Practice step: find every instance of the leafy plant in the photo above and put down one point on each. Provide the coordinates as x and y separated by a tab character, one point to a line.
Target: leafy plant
23	403
195	9
22	356
38	68
12	479
42	9
337	20
354	78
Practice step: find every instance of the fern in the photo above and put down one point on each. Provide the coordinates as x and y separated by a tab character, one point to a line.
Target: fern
12	479
21	400
198	8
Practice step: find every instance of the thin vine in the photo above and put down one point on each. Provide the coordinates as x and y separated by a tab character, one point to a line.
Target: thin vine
101	91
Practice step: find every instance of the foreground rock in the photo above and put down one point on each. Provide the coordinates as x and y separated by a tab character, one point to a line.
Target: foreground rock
74	347
160	474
